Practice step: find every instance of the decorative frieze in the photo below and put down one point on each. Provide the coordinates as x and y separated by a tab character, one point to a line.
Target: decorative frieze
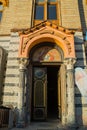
47	33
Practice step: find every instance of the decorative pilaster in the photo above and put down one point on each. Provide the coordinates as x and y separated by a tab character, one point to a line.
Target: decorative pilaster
23	62
69	62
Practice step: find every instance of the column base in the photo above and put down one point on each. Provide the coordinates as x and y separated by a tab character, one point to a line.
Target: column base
21	118
71	127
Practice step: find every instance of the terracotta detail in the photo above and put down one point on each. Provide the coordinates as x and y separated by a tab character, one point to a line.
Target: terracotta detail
4	2
47	32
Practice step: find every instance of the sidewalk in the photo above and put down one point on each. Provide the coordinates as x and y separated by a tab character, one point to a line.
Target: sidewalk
47	128
44	126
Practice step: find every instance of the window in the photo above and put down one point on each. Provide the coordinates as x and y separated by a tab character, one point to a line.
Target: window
51	12
46	10
39	12
1	10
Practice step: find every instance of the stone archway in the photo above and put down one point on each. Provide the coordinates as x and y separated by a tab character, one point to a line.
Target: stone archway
63	38
47	32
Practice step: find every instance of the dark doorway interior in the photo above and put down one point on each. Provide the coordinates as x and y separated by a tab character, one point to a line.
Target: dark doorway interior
52	92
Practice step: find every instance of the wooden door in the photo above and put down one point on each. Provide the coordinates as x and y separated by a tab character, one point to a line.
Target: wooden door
59	96
40	93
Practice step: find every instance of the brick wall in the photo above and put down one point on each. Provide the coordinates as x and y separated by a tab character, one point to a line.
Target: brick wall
16	15
70	13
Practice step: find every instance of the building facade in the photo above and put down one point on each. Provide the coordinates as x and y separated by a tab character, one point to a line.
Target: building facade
43	56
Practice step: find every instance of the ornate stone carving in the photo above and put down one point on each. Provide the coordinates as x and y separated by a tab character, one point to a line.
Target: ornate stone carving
46	31
40	33
25	41
69	62
23	62
4	2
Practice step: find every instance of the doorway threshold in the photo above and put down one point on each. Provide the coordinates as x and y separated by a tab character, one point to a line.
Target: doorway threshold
47	125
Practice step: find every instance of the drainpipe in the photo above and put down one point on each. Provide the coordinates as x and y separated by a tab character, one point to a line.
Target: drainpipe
85	42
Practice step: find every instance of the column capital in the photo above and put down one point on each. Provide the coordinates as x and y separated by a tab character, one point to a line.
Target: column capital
23	62
69	62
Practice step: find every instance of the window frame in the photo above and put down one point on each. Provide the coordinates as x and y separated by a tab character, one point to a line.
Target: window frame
45	4
1	10
56	4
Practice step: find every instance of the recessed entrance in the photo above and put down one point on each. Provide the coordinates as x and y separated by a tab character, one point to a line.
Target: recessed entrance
45	93
52	92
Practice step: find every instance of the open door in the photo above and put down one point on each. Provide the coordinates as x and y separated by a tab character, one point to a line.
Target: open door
62	101
40	93
59	96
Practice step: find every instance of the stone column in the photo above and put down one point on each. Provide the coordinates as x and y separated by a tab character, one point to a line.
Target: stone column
70	92
23	62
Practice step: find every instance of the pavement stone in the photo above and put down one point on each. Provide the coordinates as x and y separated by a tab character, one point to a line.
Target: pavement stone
44	126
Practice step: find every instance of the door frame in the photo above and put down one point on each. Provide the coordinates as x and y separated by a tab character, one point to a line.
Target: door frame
63	88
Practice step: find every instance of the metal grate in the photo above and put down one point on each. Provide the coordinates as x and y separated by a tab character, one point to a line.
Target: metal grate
4	117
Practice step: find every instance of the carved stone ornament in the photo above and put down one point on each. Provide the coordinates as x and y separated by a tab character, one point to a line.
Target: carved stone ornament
48	32
23	62
69	62
4	2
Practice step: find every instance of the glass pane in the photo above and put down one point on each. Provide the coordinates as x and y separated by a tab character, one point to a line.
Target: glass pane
39	93
51	0
39	12
1	7
0	15
39	0
52	12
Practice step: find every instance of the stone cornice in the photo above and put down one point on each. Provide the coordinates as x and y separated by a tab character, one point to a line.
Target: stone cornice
43	24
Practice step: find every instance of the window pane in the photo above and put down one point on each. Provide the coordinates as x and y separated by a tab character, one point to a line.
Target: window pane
39	12
39	0
1	7
52	12
0	15
51	0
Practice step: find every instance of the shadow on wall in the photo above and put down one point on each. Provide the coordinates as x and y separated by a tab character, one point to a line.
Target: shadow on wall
82	16
79	105
80	96
3	61
79	64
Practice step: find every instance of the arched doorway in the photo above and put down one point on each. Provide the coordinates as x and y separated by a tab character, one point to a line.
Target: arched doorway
44	48
46	60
